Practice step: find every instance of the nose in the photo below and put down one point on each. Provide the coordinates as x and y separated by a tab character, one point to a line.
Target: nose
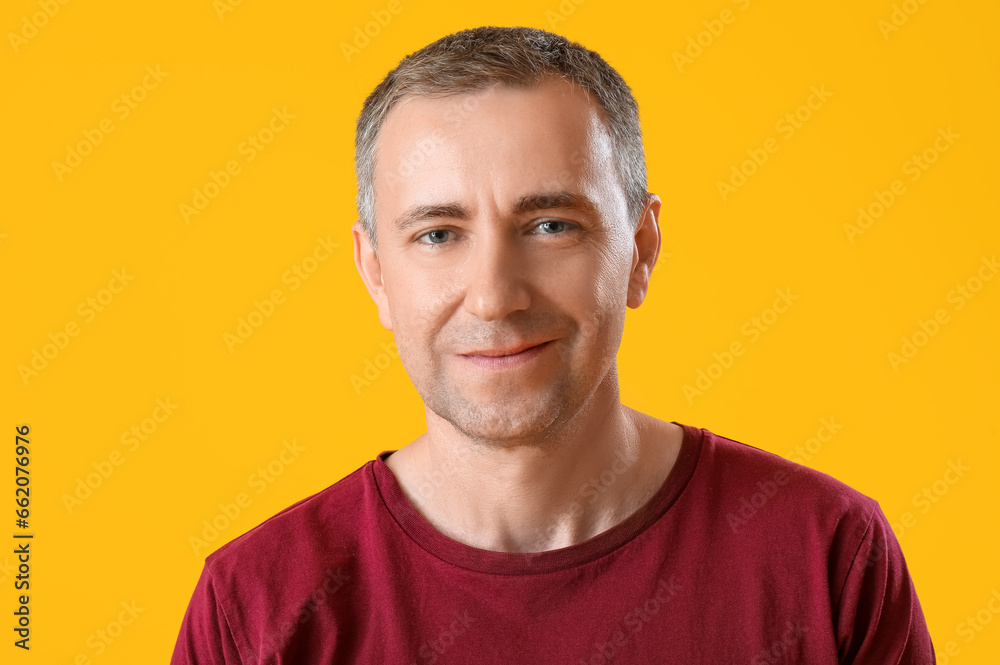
495	280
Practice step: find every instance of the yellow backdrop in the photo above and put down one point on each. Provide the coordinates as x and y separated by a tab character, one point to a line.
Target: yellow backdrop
187	338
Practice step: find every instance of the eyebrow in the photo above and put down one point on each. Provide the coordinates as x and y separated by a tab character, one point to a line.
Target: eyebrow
527	203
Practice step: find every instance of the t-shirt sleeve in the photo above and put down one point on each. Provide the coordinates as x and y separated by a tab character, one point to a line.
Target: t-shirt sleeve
879	618
205	637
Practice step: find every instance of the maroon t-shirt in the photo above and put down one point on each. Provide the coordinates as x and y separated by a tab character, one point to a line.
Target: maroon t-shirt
741	556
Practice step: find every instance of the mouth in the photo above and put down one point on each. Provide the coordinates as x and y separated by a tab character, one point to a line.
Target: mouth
510	351
505	358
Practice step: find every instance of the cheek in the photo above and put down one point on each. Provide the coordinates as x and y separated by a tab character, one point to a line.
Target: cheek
417	322
591	290
414	300
610	284
415	356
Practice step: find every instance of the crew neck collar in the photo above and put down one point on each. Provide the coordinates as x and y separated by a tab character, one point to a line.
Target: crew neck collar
515	563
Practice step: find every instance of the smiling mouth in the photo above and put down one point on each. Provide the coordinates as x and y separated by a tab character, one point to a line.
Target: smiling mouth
489	360
502	353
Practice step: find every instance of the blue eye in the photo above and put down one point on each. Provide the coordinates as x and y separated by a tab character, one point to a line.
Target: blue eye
440	236
552	221
431	234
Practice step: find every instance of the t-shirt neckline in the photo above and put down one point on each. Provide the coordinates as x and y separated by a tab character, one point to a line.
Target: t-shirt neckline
513	563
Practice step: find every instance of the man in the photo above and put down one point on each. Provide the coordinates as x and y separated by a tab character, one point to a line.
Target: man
504	229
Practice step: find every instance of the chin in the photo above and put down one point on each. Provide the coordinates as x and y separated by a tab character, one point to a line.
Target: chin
506	426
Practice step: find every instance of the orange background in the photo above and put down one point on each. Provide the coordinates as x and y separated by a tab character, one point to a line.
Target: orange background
890	80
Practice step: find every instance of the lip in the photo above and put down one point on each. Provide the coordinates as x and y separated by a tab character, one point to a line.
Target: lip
488	360
510	351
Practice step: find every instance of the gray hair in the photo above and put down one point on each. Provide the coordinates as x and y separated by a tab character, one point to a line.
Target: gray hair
473	60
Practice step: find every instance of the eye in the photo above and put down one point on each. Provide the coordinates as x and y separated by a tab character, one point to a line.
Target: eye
552	226
437	236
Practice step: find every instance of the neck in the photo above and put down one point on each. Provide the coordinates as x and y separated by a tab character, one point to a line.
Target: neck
588	476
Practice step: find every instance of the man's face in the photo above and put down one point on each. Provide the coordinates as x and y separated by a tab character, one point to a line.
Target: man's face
501	225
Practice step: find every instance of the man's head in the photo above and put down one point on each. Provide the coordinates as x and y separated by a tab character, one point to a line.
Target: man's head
511	210
473	60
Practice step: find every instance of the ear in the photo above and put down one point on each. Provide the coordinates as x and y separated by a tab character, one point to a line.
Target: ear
370	269
645	251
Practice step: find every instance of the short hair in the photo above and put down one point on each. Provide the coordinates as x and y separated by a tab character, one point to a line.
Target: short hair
476	59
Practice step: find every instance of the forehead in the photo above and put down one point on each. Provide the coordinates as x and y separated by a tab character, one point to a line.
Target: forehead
500	143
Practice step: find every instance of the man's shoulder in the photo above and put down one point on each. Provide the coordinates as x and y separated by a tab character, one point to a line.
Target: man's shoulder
752	481
260	581
320	525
